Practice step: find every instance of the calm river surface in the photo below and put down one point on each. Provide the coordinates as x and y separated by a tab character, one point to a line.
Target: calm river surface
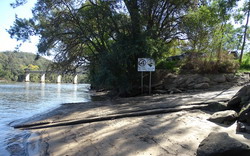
23	100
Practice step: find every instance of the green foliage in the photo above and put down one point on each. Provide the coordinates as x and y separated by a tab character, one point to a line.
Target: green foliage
245	65
119	67
172	66
199	25
233	37
109	36
12	65
30	67
210	64
208	30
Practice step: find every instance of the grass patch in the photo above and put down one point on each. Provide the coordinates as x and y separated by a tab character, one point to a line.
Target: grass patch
245	65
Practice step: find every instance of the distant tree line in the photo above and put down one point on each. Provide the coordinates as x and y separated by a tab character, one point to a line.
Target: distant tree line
14	64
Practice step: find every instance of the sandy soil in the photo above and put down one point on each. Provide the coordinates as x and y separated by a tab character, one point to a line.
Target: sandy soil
63	132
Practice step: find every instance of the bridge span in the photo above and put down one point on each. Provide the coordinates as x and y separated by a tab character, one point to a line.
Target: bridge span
43	73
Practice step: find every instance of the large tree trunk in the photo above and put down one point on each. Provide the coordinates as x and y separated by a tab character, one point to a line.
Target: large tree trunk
133	9
244	38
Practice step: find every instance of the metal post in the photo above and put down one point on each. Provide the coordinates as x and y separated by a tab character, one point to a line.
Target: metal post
141	82
149	86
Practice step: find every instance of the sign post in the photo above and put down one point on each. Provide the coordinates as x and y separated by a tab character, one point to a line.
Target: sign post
146	65
149	86
141	82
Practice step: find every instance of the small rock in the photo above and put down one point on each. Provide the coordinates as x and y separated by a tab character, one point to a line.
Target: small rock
227	117
170	76
230	77
244	76
244	115
203	80
234	103
190	80
215	107
201	86
220	144
220	78
158	85
240	127
241	98
180	81
174	91
158	91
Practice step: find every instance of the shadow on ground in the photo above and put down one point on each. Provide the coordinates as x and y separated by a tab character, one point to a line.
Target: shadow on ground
176	133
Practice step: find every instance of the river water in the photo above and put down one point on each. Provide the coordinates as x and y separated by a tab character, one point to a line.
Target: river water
23	100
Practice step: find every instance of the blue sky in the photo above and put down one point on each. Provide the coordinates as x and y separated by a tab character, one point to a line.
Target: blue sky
7	17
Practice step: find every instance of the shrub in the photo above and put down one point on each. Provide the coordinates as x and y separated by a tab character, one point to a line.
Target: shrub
210	64
117	70
172	66
245	62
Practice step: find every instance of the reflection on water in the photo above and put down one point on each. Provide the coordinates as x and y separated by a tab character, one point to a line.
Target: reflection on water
75	91
59	90
22	100
42	89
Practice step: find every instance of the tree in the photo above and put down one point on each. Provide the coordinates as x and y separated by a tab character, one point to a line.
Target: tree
13	65
30	67
199	25
246	10
109	36
233	37
224	9
207	28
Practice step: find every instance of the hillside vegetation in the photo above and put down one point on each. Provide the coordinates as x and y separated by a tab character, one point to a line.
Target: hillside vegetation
13	65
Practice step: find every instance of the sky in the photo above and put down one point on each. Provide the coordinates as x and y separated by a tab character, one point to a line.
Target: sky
7	17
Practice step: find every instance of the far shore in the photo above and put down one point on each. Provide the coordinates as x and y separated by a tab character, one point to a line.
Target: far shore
167	124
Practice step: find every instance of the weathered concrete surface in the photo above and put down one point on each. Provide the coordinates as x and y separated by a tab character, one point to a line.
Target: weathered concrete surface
86	110
176	133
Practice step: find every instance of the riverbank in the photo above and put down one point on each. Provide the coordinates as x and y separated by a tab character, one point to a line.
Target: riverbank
19	101
148	125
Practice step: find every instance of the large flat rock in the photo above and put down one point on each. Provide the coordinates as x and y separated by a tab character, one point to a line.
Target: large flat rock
220	144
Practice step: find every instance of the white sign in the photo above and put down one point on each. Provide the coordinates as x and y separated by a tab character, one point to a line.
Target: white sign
146	64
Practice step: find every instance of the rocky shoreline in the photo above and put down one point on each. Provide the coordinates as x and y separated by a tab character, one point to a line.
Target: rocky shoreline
162	124
164	82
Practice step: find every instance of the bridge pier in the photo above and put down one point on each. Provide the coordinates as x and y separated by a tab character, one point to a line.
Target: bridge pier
27	77
59	79
43	78
75	79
